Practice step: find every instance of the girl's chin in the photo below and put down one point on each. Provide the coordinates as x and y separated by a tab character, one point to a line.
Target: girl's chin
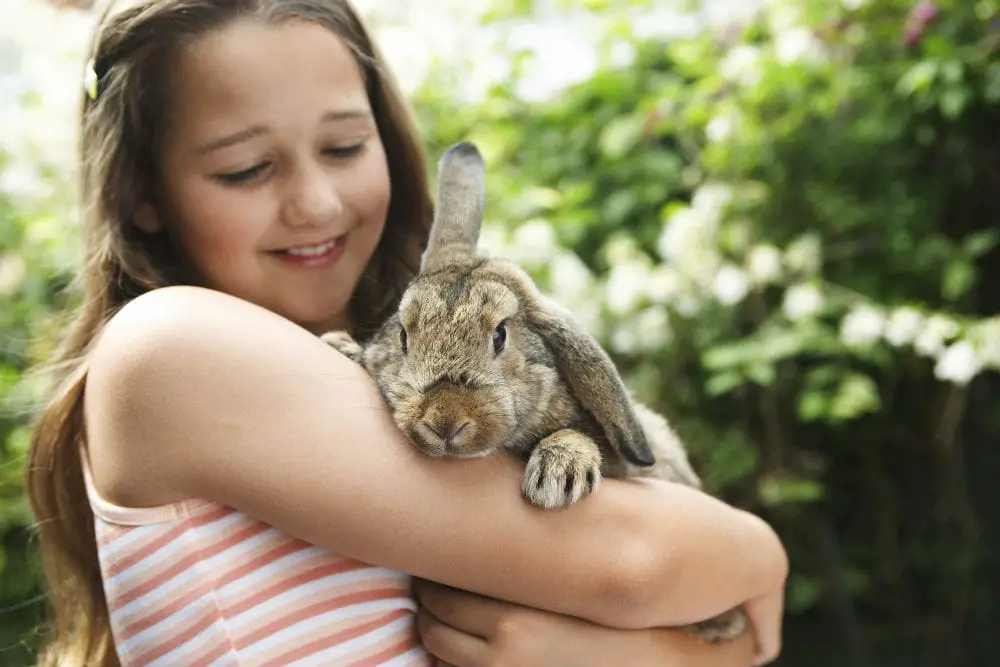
318	318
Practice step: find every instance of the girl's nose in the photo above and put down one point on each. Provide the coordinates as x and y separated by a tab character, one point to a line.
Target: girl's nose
312	199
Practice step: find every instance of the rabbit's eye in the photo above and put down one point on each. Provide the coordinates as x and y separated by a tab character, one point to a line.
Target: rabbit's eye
402	338
500	337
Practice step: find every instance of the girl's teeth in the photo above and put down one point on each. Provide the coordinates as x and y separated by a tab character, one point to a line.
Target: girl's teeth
312	252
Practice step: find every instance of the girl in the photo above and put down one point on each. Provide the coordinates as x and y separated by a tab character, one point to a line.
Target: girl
211	481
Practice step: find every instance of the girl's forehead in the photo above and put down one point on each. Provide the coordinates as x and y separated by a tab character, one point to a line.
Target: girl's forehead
255	71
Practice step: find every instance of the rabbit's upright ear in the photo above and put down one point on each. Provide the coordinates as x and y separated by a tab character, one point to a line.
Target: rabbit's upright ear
458	214
593	378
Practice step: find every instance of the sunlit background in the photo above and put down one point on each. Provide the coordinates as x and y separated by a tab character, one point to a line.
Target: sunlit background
780	216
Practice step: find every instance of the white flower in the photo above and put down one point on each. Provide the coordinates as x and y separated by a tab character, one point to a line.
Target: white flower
493	241
626	285
722	126
534	242
652	329
802	301
804	254
903	326
711	199
621	248
796	45
987	337
624	340
664	284
937	331
784	15
862	326
741	65
851	5
687	305
684	230
764	264
12	274
569	279
731	285
958	364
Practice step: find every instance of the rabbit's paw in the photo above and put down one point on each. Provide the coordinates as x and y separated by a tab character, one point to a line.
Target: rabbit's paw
722	628
342	342
564	467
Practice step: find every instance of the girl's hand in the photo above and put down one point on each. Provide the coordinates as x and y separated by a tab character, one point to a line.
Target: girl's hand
466	630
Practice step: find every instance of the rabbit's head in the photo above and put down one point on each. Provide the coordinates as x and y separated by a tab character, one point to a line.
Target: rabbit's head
474	357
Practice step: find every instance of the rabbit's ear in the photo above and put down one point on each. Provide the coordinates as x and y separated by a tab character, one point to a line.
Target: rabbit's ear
458	215
593	379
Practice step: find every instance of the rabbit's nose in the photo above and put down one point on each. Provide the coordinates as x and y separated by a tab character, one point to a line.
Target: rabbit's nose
448	432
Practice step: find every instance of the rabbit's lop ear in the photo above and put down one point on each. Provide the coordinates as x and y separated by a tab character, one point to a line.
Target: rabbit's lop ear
594	380
461	199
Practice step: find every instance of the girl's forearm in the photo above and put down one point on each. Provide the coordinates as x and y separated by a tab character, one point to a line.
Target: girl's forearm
705	558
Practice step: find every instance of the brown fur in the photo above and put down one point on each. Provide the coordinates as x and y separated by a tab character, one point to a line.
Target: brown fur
550	394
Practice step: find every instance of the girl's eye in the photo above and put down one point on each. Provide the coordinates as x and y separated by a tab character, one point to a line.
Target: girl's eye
345	151
241	177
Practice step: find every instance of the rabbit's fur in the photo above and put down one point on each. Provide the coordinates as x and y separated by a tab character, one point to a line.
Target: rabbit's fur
476	359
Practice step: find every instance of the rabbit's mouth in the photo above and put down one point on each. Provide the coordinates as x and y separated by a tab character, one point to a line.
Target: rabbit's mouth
458	439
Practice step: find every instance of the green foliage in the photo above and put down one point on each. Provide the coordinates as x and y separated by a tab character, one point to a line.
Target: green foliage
781	229
784	232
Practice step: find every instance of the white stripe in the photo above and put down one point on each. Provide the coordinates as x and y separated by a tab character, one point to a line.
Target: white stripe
169	551
415	657
207	638
213	564
328	656
125	542
300	632
170	626
239	588
329	584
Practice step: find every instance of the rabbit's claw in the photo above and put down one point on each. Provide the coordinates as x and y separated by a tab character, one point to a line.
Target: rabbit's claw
342	342
722	628
564	467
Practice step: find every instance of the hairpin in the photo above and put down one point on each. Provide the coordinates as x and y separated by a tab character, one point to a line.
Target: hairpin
90	80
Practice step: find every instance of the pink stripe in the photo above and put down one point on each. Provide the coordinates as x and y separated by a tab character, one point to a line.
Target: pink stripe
335	639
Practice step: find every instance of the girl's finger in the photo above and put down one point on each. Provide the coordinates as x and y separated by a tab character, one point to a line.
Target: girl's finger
473	614
449	645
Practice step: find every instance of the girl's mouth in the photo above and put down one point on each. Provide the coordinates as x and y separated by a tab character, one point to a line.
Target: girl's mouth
314	256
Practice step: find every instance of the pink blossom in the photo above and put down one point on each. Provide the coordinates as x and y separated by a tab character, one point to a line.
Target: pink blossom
925	13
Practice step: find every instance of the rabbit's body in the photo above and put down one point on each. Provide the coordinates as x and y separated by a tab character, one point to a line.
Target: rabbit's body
476	359
517	400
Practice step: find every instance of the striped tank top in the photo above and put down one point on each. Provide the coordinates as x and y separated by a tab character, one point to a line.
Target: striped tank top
199	584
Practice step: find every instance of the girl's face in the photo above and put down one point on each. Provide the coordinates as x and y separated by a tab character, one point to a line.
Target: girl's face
274	183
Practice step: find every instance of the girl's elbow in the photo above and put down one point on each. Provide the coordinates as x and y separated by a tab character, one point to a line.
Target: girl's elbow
635	588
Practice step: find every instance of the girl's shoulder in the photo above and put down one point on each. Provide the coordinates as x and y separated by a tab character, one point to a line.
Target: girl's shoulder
169	368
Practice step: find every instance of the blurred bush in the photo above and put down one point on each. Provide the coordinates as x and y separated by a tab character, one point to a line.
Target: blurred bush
784	228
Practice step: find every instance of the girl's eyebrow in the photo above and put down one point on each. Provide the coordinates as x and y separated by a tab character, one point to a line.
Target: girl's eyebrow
259	130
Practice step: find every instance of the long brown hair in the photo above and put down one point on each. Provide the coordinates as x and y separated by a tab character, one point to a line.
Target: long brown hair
122	124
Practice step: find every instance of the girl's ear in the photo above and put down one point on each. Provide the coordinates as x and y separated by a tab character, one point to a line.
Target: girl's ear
147	220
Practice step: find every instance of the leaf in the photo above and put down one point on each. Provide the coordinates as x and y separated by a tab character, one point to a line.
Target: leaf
785	489
858	394
621	135
959	277
812	406
803	592
991	88
978	244
918	79
720	384
952	102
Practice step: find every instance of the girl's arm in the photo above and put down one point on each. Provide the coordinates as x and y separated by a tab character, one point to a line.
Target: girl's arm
192	393
465	630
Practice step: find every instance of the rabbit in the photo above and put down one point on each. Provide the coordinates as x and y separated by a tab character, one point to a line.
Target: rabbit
476	359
